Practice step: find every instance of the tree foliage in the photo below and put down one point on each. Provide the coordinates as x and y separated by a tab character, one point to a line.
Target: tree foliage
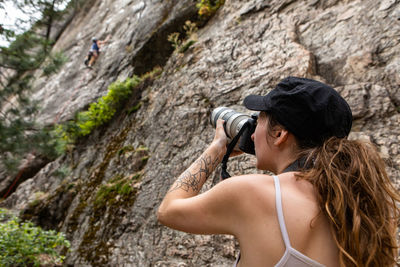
26	53
48	12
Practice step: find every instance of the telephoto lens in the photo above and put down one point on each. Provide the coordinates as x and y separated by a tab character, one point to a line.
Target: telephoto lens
234	123
234	120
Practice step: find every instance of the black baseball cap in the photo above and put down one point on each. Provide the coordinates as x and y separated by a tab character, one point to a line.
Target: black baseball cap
311	110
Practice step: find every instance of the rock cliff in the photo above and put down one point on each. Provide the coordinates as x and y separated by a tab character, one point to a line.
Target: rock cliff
246	47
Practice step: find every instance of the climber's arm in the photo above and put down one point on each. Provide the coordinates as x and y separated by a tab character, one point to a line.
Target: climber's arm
103	42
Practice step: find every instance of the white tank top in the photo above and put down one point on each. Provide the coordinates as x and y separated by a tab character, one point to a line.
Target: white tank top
291	257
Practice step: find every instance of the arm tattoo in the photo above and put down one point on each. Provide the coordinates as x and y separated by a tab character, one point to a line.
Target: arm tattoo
192	179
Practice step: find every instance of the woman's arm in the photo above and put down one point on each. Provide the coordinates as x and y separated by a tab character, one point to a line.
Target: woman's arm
192	179
183	209
190	182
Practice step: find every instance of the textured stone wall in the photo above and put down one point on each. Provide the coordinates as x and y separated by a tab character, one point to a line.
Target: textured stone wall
247	47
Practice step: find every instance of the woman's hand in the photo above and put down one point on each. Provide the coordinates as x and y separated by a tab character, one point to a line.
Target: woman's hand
220	139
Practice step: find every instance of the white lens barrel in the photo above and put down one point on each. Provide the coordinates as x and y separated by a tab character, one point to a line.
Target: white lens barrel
235	123
234	120
218	113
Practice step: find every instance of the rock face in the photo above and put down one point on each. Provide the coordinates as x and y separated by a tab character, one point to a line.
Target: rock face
247	47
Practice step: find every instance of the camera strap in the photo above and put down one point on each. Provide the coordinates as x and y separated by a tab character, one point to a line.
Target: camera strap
296	165
231	146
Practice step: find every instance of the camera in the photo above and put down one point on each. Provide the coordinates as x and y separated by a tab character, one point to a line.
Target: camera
237	123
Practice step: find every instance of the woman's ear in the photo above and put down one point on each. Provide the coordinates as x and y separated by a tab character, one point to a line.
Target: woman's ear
281	136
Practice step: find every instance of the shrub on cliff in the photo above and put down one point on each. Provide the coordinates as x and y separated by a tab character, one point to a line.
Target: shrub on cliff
207	8
104	109
99	112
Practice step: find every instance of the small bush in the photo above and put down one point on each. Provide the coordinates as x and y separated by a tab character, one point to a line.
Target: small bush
64	135
62	172
207	8
181	46
190	28
23	244
153	74
99	113
173	38
186	46
103	110
118	188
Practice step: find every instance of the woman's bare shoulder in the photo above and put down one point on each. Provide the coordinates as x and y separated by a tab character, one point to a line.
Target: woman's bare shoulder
290	182
257	190
250	181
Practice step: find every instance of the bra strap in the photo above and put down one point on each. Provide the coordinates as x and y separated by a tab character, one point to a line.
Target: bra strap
281	219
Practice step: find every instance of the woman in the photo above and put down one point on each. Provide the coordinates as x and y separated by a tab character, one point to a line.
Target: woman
94	51
331	203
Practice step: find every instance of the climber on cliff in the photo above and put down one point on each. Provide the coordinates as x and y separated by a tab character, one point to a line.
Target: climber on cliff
95	51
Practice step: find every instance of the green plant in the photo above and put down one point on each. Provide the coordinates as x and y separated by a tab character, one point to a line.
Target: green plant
135	108
153	74
141	148
24	244
186	46
64	136
125	149
190	28
181	46
103	110
207	8
99	113
39	196
173	38
145	159
62	172
117	187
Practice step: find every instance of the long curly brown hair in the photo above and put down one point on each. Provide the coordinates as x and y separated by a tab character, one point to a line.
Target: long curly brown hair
358	198
355	193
